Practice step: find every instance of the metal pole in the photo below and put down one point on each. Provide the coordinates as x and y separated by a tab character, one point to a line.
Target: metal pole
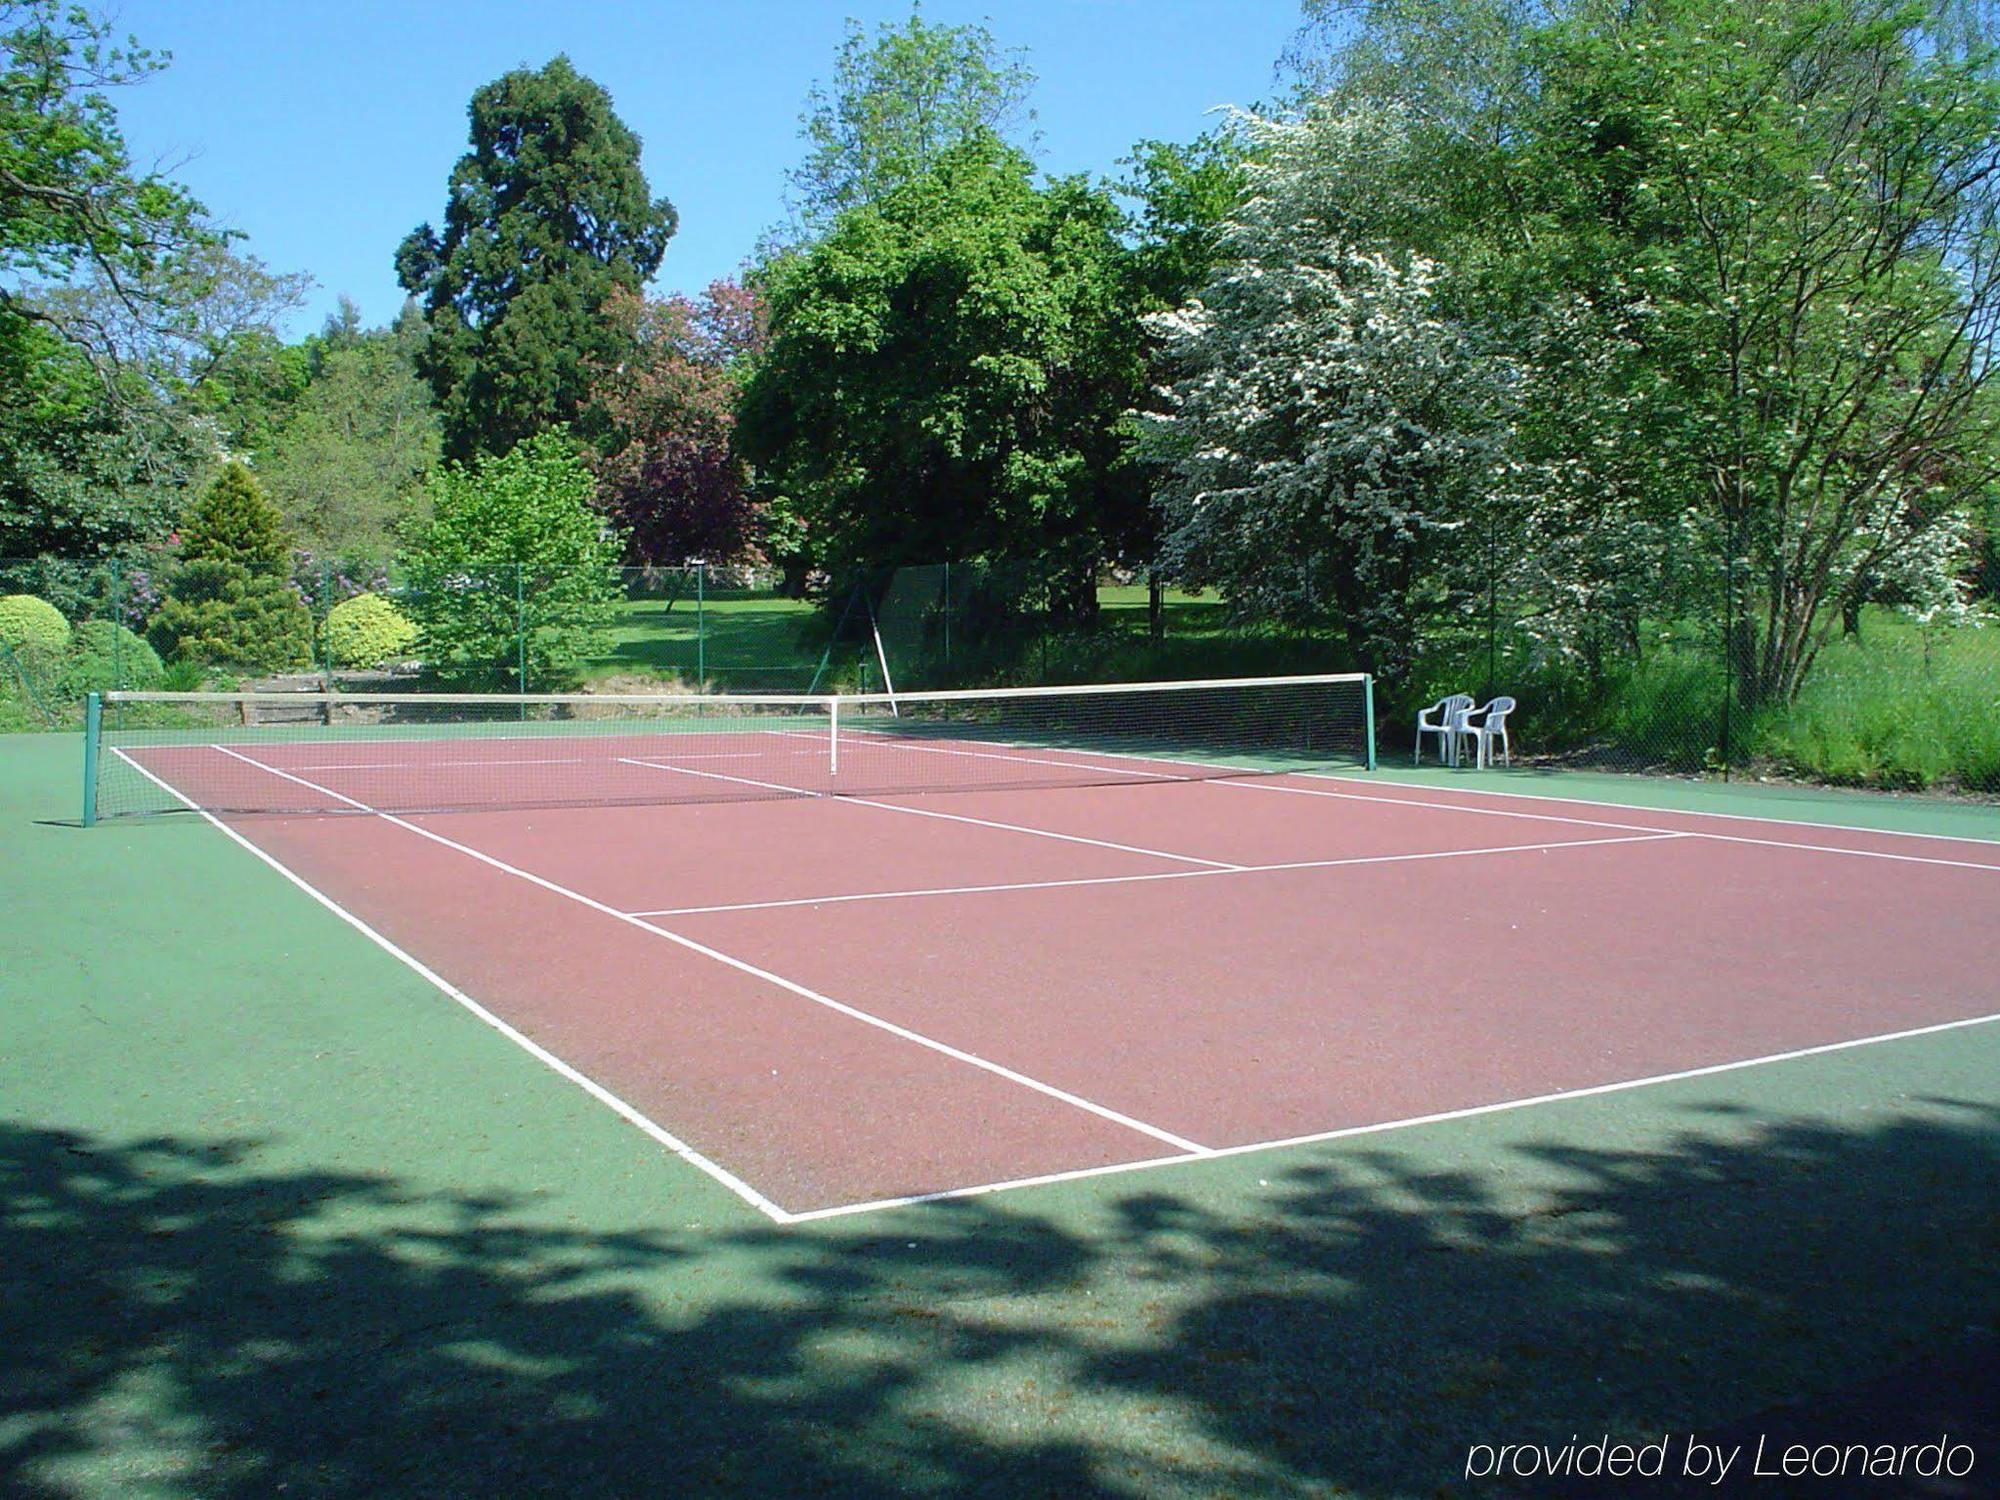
700	623
1492	603
93	730
1729	645
521	639
1368	716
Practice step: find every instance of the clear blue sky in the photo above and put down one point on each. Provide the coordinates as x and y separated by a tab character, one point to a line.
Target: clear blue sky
325	131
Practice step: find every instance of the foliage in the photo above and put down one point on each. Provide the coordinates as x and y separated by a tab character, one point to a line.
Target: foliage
348	463
27	622
1184	197
1745	258
667	470
547	215
105	655
948	373
235	522
1328	426
515	558
897	107
73	202
366	631
231	601
129	334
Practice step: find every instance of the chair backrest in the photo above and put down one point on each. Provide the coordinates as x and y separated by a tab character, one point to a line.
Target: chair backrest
1497	711
1456	707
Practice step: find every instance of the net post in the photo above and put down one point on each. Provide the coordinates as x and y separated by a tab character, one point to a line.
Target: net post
93	733
833	735
1368	718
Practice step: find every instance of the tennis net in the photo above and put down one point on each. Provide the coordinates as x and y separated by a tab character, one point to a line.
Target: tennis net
309	753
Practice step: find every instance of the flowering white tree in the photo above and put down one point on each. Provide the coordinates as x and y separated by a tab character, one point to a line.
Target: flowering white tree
1327	425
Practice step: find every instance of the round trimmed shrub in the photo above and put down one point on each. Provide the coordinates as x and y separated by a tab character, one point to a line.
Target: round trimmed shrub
104	655
367	631
31	624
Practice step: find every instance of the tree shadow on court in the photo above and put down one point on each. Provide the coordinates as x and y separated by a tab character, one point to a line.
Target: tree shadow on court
180	1317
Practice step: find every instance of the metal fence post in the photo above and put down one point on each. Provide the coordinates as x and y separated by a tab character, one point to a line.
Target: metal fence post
700	623
520	636
1728	644
118	628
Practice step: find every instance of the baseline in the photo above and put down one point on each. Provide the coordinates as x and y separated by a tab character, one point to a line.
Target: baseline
1386	1127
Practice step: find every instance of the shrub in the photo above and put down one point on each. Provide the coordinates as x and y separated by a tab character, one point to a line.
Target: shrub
366	631
231	601
104	655
229	616
31	624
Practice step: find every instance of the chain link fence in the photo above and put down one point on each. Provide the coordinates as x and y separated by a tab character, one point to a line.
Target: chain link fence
1604	682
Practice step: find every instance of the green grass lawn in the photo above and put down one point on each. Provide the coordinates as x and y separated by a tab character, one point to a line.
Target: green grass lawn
737	637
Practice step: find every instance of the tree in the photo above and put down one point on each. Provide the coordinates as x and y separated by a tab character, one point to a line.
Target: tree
346	466
98	432
72	200
1327	428
548	214
230	602
668	472
516	572
948	374
1746	257
1184	195
78	477
896	107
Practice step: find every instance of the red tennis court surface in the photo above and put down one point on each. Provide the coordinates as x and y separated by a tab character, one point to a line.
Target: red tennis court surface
830	1003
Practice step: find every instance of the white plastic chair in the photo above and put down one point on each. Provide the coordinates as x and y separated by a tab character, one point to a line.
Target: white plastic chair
1492	726
1449	710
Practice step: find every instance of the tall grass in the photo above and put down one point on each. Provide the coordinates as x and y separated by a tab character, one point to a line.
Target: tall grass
1900	705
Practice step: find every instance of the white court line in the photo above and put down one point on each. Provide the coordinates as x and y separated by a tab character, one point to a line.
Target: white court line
867	737
958	1054
541	1054
1253	778
1044	885
1386	1126
1535	817
926	812
557	760
1674	812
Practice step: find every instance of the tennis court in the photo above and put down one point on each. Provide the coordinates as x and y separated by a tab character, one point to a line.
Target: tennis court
843	953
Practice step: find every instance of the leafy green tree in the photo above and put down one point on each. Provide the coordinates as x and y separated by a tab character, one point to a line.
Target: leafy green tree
1184	194
79	476
897	106
548	214
72	200
515	566
99	432
948	374
230	602
347	465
